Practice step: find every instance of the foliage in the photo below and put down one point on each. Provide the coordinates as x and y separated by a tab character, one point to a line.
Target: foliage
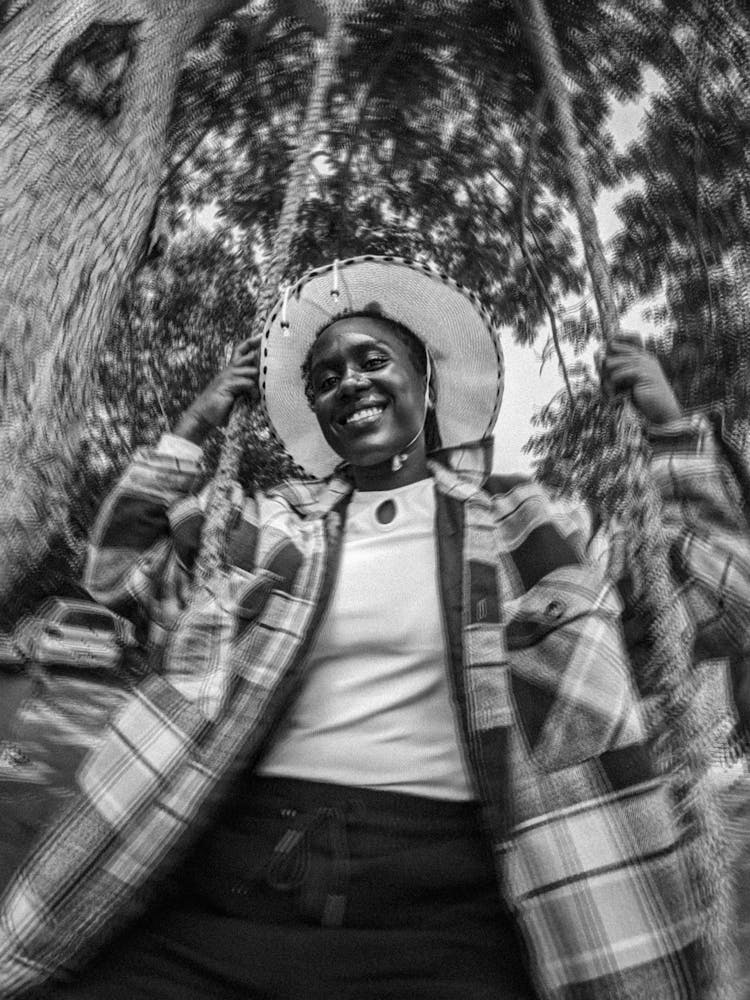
424	150
576	434
685	232
685	222
424	145
182	316
423	154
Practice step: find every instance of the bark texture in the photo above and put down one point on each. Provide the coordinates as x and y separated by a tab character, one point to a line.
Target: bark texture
86	90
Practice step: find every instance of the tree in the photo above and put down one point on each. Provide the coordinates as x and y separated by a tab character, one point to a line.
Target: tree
182	316
425	134
169	337
86	94
687	228
85	99
685	223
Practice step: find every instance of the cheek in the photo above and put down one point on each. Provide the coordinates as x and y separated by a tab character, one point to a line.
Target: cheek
411	400
322	414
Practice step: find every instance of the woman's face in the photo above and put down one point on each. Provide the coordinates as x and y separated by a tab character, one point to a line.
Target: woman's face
368	396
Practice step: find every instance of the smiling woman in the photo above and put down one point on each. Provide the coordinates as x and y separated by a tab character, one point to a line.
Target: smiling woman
398	719
371	401
378	347
439	328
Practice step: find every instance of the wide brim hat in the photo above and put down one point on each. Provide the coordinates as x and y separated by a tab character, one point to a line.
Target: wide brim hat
463	344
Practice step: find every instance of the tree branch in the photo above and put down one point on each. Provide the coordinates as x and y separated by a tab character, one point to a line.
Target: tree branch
361	108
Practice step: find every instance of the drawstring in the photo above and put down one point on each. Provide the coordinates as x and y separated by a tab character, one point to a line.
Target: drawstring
335	286
399	459
291	857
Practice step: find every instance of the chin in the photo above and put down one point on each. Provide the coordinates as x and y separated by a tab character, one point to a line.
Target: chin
368	455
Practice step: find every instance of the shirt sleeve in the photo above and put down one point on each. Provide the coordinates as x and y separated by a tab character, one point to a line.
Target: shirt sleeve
699	481
179	448
146	535
595	846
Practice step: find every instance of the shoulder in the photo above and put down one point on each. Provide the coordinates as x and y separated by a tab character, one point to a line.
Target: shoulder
540	532
520	497
498	485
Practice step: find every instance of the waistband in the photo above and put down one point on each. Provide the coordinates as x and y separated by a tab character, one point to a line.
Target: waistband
263	795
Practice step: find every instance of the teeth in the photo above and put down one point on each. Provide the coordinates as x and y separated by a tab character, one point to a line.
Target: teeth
367	414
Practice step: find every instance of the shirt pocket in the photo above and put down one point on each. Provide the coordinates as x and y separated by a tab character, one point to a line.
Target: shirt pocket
200	639
570	677
202	652
245	595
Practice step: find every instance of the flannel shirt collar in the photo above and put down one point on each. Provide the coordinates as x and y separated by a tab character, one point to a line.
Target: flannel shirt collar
459	472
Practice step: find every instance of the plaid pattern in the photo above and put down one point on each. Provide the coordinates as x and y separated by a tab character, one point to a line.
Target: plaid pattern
591	859
705	514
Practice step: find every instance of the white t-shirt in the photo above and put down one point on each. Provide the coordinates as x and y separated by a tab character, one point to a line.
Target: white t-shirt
376	709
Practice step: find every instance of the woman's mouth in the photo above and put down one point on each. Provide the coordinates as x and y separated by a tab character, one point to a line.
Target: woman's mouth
364	416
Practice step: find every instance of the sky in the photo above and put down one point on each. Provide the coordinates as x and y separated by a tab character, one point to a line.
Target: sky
526	388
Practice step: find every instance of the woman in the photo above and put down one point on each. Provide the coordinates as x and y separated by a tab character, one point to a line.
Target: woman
393	749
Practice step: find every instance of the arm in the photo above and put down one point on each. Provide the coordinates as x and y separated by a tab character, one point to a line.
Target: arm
594	846
130	547
705	524
570	674
147	534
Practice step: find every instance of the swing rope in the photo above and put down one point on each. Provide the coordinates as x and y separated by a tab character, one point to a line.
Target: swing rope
225	488
621	486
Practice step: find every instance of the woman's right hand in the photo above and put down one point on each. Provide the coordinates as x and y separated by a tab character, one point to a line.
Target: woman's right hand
212	407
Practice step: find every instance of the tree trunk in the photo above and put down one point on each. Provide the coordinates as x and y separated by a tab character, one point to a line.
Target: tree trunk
86	90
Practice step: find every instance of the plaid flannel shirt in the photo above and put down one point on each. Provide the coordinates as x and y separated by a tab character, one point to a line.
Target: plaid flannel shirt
592	863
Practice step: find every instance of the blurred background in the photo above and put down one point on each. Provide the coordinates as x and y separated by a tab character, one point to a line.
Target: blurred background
144	160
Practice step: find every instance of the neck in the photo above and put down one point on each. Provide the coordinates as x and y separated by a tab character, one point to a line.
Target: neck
382	476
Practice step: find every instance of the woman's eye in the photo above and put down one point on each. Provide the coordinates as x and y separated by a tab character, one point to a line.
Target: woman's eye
327	383
375	361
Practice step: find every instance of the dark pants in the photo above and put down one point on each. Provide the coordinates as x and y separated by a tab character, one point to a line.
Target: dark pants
306	891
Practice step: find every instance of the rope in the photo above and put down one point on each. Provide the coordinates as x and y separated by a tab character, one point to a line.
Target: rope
225	487
621	485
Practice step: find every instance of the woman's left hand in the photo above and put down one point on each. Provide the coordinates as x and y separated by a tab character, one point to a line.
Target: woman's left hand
626	366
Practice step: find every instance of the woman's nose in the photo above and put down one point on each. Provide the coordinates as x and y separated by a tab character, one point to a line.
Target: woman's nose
352	381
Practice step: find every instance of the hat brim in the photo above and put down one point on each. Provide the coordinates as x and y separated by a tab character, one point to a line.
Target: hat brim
458	332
